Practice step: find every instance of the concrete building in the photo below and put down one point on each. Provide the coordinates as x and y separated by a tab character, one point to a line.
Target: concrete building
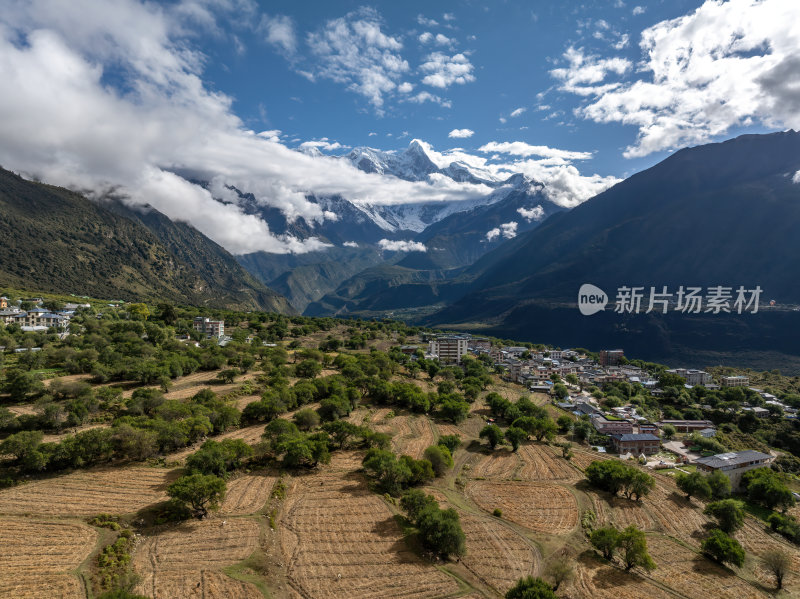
611	357
210	328
687	426
449	349
604	426
735	381
692	377
734	464
637	444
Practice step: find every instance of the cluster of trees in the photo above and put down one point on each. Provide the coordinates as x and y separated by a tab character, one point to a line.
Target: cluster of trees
630	545
766	487
705	487
615	477
438	530
395	474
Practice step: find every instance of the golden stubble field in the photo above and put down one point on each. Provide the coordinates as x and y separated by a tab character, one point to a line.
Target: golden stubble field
334	537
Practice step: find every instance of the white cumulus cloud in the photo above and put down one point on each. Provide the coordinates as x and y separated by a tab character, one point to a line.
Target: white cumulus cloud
443	70
724	65
460	133
350	244
530	214
402	246
504	231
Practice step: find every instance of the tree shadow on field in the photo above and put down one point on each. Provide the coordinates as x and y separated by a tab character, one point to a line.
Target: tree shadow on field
476	447
406	548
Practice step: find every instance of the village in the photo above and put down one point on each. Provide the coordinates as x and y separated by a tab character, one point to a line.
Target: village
569	375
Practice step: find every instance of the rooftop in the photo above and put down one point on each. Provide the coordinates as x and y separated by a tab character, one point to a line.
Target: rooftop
637	437
733	458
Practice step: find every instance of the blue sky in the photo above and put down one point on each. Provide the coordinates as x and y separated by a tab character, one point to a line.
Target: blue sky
146	99
512	47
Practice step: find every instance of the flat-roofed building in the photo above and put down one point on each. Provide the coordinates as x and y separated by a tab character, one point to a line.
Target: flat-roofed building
449	349
734	464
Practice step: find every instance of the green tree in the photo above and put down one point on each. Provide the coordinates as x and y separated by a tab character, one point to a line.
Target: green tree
606	540
564	423
544	428
452	442
139	311
228	375
515	436
493	435
720	485
454	410
633	548
694	484
764	486
21	444
306	419
729	513
308	369
669	431
440	459
341	432
200	492
414	502
723	549
440	531
560	391
530	588
391	474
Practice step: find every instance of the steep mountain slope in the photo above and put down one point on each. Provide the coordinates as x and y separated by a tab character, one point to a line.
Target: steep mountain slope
721	214
59	241
304	278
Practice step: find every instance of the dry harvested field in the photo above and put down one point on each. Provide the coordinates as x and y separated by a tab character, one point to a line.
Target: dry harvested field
674	515
90	492
582	458
180	561
542	462
541	507
413	436
757	541
37	556
693	575
596	580
622	512
500	464
495	553
333	525
346	460
247	494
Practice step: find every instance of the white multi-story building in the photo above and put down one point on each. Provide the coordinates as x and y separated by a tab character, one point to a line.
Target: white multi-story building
210	328
449	349
735	381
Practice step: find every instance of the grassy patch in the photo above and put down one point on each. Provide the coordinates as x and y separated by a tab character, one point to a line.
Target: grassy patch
252	570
